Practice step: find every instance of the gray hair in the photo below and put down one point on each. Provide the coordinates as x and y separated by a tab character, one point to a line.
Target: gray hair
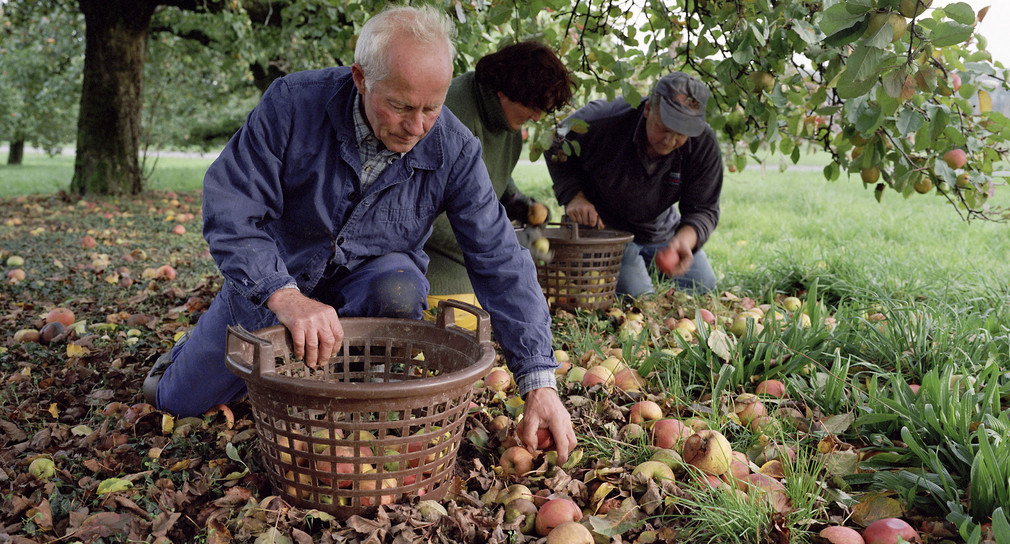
426	24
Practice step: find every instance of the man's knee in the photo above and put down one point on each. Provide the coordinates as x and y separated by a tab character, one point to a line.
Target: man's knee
399	293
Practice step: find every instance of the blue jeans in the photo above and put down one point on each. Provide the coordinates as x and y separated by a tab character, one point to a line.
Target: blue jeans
198	379
638	265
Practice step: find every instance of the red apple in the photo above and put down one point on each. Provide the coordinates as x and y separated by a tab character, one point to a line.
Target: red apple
545	440
667	260
669	433
887	530
955	158
748	407
16	276
63	315
598	375
498	379
643	411
165	272
837	534
707	316
773	388
179	229
555	512
88	241
628	380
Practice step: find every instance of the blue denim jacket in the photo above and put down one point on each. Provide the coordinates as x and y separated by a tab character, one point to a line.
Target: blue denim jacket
284	199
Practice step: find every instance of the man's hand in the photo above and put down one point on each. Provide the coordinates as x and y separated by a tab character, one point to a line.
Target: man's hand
582	211
315	328
545	410
679	254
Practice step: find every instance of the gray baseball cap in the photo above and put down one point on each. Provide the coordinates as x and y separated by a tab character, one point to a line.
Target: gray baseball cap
682	100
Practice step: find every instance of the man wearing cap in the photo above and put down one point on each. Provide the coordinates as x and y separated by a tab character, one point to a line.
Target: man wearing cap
654	171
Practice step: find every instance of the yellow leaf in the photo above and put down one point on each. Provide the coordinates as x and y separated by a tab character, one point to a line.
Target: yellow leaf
111	485
73	350
984	101
54	411
875	506
167	423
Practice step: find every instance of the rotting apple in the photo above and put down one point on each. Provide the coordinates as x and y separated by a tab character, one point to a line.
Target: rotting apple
708	451
747	407
522	507
25	336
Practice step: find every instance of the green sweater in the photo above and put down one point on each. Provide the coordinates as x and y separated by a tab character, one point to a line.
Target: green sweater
480	110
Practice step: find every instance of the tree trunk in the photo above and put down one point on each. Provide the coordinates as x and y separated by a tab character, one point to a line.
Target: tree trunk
109	123
16	154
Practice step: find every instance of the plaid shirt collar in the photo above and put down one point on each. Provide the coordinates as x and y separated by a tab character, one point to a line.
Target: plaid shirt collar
369	147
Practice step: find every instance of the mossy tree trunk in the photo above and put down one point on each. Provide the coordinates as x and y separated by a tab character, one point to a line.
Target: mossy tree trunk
109	125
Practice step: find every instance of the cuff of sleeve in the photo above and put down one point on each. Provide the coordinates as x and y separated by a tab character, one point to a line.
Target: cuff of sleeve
536	380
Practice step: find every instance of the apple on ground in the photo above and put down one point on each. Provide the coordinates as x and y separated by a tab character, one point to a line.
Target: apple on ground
16	275
498	379
513	492
598	375
576	374
644	411
668	457
669	433
708	451
63	315
555	512
747	407
629	380
707	316
887	531
516	461
179	229
165	272
614	364
570	532
772	388
651	470
500	423
522	507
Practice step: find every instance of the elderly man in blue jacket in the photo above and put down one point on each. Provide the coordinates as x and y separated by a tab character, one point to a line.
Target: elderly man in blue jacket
318	208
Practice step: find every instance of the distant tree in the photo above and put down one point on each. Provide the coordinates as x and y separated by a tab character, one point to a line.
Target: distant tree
41	49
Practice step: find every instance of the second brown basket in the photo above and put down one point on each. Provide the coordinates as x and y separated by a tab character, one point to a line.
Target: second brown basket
381	421
583	272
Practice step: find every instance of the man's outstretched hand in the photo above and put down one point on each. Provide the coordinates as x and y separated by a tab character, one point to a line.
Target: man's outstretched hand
544	409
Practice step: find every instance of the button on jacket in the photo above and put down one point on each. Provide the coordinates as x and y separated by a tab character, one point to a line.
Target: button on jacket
283	204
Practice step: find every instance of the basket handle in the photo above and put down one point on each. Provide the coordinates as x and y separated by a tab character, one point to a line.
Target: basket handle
483	331
262	360
566	222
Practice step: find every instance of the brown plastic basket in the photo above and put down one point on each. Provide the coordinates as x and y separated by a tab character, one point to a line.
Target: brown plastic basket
583	272
381	421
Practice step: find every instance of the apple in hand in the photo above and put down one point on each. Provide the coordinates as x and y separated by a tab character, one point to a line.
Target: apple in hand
667	260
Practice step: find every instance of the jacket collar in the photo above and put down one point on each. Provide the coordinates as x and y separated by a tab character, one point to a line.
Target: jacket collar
489	108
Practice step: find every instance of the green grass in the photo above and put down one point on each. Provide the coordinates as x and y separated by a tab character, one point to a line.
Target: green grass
780	230
41	174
